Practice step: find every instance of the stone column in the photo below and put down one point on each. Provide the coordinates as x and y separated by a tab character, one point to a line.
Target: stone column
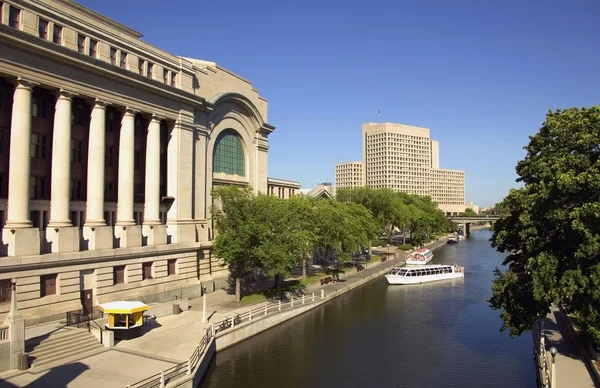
20	157
95	232
126	169
153	231
128	233
61	162
22	239
95	175
152	194
60	232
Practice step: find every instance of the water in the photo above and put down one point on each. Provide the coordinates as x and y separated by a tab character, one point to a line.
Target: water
433	335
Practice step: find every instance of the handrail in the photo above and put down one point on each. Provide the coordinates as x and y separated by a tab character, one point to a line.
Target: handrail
161	379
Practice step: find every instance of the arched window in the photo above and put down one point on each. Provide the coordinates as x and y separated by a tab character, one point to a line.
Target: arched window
228	154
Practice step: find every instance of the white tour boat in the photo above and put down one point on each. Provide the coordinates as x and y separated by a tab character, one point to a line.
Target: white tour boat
424	274
419	257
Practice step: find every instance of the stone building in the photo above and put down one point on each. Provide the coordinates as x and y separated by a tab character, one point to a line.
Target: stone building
109	150
282	188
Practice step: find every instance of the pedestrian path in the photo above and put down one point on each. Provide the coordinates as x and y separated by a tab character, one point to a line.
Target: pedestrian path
571	369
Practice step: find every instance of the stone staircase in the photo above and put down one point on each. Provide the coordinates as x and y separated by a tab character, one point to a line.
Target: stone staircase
61	347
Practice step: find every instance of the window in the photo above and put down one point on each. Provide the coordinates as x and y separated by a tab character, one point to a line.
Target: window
77	148
228	154
123	60
166	76
108	160
113	56
39	146
119	275
57	34
108	191
76	190
43	29
173	79
138	160
93	48
48	285
81	43
150	70
146	271
80	114
141	65
14	17
171	267
5	286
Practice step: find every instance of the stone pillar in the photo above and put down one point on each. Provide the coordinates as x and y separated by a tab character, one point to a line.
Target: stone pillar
16	328
129	234
153	231
60	232
467	229
98	235
22	239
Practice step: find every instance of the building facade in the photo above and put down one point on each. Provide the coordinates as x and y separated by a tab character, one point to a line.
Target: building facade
349	175
405	159
109	150
282	188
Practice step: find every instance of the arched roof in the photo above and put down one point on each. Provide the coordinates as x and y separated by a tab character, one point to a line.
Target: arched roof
241	100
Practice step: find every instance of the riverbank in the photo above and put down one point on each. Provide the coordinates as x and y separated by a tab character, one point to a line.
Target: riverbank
169	341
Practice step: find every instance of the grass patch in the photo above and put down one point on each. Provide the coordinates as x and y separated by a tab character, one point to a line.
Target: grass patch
374	258
288	286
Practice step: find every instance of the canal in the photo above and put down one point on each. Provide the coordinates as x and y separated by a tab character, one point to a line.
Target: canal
432	335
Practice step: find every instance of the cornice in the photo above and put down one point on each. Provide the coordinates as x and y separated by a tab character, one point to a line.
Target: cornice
33	45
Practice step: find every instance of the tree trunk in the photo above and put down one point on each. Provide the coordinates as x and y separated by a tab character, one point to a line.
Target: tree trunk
304	263
238	289
403	236
278	281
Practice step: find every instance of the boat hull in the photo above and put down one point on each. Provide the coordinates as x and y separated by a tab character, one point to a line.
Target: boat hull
404	280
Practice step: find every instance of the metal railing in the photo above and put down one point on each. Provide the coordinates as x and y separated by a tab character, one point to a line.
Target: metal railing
541	354
160	380
81	318
265	309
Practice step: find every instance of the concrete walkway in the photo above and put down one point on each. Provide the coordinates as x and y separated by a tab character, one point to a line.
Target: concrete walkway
166	342
571	369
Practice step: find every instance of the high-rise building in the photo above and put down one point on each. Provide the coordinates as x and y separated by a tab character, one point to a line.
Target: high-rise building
349	174
405	159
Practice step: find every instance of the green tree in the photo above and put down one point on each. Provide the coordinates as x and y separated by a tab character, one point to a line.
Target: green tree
302	228
551	231
469	213
235	240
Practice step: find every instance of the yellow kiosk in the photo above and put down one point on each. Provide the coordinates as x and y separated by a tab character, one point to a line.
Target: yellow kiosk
125	318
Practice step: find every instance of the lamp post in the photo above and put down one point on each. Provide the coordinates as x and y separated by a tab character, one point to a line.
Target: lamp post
553	352
203	291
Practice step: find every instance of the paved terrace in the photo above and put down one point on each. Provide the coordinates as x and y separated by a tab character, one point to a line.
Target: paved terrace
167	342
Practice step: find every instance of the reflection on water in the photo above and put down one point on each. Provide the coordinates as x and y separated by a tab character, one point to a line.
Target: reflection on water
432	335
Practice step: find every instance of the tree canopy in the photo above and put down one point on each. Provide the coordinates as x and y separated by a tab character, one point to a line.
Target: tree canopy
275	236
551	231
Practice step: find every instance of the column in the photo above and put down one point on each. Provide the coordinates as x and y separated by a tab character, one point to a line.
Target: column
152	190
96	234
20	157
126	231
61	162
126	169
95	174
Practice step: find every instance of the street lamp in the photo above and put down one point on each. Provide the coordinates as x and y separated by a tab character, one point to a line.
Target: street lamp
13	283
553	352
203	291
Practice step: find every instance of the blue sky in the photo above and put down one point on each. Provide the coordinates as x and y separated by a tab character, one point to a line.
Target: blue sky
480	74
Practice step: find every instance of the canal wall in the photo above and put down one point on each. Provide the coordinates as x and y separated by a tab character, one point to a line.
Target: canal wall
255	321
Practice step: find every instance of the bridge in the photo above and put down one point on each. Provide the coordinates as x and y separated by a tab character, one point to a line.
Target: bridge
482	218
467	221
